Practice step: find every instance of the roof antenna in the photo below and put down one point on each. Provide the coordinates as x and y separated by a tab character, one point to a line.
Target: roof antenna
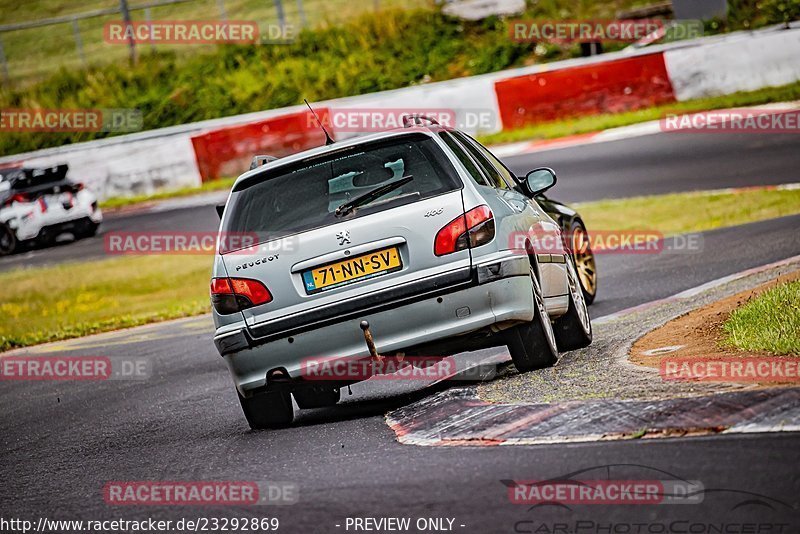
328	139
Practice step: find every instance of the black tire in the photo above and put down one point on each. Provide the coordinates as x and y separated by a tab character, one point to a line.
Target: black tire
316	398
8	240
45	238
267	410
573	330
585	263
90	230
532	345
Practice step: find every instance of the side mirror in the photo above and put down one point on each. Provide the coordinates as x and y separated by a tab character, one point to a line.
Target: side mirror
540	180
220	209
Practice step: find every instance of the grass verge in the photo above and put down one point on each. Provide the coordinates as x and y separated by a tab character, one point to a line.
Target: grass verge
689	212
34	53
596	123
216	185
75	299
769	322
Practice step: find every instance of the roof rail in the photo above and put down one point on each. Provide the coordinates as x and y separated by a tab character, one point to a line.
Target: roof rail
258	161
416	120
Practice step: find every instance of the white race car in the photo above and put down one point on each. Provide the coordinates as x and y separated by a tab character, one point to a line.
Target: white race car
39	205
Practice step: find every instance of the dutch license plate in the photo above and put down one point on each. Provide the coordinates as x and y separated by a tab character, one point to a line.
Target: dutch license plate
352	270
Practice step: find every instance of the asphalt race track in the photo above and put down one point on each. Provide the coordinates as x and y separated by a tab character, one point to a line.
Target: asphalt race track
667	163
63	441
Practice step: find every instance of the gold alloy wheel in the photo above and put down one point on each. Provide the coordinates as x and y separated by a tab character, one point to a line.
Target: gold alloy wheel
584	261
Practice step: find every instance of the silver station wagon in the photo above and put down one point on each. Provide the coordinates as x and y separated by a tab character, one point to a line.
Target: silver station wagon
415	241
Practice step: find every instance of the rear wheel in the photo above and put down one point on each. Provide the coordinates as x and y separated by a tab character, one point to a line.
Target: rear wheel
8	240
573	330
268	410
90	230
533	345
584	260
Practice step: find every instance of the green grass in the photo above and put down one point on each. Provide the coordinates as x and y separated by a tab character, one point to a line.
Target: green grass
76	299
769	322
596	123
689	212
368	54
34	54
216	185
347	49
37	52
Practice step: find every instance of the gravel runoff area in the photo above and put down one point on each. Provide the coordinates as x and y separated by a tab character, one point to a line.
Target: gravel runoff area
602	370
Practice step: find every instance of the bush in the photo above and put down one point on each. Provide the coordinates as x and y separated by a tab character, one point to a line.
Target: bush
370	53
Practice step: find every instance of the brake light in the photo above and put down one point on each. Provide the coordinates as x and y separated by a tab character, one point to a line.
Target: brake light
474	228
18	197
230	295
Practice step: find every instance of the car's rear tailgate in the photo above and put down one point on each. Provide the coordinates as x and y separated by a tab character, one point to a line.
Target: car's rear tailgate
403	235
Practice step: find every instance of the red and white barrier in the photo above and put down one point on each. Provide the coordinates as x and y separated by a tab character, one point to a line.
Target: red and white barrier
119	166
609	87
228	151
729	64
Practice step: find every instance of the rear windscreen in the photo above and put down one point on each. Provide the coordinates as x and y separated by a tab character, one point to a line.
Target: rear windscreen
303	196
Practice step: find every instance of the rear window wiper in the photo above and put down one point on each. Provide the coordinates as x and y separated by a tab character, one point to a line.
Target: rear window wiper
366	198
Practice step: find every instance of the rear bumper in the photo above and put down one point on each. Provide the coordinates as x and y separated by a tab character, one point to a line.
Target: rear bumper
80	225
495	293
79	219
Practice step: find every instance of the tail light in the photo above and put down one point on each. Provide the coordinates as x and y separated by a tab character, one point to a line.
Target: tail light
474	228
18	197
231	295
